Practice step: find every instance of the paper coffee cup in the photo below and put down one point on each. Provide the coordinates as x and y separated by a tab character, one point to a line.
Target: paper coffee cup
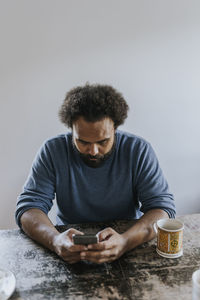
169	237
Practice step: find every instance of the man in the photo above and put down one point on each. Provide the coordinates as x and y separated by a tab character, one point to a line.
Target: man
98	173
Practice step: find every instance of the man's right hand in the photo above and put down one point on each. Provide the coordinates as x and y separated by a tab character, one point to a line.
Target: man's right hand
38	226
65	248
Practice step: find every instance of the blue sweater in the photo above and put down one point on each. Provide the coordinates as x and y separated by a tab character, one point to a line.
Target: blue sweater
129	182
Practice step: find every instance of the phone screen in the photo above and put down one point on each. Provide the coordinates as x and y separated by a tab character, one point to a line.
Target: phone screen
84	239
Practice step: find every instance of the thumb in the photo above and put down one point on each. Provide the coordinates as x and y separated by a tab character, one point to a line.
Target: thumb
72	231
105	234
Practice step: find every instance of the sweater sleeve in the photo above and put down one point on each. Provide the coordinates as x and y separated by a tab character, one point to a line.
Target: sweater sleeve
39	188
151	185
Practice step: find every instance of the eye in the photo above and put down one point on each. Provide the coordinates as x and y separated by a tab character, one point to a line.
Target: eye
83	142
103	143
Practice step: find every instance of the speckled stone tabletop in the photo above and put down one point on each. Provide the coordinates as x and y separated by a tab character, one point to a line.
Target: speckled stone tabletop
139	274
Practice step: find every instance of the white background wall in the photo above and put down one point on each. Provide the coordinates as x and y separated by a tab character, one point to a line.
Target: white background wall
147	49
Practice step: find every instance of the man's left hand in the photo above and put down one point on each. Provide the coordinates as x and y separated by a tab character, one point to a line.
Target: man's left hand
110	247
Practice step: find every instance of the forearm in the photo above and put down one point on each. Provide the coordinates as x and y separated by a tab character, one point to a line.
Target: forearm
143	231
38	226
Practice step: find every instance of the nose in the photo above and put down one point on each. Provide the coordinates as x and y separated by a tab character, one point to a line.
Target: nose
93	149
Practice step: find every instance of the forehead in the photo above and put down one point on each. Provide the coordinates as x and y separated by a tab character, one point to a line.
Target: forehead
93	131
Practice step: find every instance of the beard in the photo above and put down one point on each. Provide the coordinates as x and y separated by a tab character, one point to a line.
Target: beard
97	160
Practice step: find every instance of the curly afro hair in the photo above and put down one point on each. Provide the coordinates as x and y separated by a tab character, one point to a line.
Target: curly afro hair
93	102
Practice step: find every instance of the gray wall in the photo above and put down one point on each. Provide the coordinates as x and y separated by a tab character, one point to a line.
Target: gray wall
149	50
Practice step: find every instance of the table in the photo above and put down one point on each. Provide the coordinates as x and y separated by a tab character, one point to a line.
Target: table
138	274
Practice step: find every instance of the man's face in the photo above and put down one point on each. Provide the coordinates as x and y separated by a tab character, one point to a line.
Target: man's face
94	140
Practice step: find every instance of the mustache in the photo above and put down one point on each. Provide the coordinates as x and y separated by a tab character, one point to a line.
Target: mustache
91	156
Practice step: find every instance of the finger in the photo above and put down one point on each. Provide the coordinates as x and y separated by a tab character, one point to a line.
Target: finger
103	260
72	231
67	242
68	246
88	255
101	246
73	262
68	249
98	257
105	234
71	257
77	248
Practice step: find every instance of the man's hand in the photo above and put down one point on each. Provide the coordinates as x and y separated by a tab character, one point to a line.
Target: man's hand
110	247
112	244
65	248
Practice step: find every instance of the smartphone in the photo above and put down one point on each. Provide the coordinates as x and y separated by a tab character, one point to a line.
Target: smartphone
84	239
